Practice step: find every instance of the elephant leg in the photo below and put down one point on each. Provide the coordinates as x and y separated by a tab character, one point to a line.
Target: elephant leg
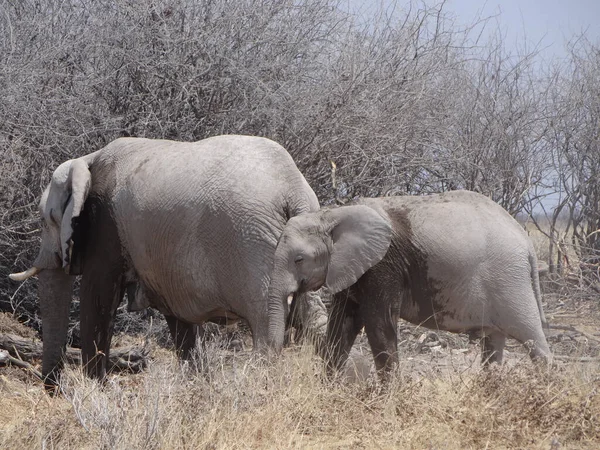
525	325
539	349
381	323
492	348
534	339
102	286
344	324
260	333
184	336
100	294
308	315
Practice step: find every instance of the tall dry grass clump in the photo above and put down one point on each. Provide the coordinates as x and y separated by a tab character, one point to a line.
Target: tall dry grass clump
241	401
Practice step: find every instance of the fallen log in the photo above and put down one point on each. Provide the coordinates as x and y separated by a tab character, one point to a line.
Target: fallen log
125	359
6	359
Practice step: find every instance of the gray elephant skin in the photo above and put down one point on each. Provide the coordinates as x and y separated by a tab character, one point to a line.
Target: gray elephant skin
455	261
193	225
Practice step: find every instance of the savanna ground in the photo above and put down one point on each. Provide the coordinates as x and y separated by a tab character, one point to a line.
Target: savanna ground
439	398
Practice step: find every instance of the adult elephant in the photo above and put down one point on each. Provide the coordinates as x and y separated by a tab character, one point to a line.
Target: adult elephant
193	225
455	261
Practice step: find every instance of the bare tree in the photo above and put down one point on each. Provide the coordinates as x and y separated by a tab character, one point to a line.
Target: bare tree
399	100
575	140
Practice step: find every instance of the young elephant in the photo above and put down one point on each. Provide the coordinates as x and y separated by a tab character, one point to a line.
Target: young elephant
455	261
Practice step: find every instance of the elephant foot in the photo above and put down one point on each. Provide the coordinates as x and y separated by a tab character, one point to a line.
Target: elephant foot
537	353
51	383
492	348
184	336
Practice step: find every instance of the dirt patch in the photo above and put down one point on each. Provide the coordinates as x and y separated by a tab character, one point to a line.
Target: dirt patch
574	332
19	375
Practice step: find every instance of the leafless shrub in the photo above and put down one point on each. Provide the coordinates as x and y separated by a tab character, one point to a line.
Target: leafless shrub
397	101
572	142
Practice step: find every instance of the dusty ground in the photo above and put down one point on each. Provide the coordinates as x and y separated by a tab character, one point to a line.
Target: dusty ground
574	332
439	398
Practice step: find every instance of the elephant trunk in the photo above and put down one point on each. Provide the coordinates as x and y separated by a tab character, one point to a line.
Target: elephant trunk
279	291
55	292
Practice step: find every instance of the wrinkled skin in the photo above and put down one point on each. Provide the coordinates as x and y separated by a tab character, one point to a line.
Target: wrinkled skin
308	316
187	228
455	261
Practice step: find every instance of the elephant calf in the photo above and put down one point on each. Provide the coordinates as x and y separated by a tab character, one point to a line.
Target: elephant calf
455	261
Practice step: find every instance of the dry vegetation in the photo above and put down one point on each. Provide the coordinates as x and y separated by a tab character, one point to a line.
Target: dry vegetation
397	101
240	401
400	100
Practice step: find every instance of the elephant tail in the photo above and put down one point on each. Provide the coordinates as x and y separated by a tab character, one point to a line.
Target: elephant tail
535	282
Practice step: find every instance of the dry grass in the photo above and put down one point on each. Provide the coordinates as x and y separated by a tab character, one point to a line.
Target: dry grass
8	324
541	242
241	401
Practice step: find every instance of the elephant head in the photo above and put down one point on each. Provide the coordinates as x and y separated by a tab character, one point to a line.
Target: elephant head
330	247
60	208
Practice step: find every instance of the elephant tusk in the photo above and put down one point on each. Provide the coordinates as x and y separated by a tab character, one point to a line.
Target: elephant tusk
22	276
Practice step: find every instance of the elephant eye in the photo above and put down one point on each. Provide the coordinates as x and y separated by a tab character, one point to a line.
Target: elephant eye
298	259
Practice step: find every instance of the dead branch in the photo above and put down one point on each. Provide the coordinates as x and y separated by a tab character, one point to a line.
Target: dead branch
22	350
575	330
6	359
582	359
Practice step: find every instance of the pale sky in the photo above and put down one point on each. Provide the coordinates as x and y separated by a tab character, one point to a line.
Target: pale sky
550	23
545	25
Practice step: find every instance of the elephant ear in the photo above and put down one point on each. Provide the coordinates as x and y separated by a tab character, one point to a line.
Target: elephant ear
79	183
361	238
